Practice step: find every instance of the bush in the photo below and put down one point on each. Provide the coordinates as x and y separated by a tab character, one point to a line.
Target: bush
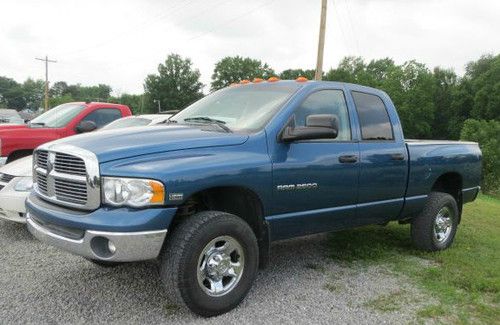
487	134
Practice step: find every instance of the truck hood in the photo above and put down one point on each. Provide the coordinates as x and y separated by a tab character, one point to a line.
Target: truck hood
136	141
19	167
12	126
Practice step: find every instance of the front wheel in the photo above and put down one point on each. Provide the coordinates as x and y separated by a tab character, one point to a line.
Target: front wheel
435	228
209	262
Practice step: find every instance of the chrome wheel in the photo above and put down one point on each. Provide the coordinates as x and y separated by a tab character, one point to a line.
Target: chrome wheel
443	224
220	266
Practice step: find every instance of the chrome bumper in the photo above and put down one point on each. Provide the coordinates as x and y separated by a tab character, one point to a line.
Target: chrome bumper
128	246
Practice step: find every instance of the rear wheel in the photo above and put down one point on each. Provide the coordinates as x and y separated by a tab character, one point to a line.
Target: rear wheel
209	262
435	228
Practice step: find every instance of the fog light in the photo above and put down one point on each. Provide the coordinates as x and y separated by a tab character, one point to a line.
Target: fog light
111	247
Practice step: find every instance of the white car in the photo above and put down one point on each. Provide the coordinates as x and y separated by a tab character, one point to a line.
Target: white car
16	177
15	185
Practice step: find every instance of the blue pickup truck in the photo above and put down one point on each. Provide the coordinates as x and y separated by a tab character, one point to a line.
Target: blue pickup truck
206	193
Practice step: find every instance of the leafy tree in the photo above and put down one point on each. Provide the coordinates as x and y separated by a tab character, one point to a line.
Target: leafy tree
291	74
135	102
234	69
33	91
176	85
446	83
487	133
11	94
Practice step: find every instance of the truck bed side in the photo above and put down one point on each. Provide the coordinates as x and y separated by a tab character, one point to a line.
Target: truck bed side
433	163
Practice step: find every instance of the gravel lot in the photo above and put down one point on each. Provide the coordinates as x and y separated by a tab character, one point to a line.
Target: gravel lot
39	284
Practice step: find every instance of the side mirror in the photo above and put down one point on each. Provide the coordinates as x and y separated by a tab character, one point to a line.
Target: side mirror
318	126
86	126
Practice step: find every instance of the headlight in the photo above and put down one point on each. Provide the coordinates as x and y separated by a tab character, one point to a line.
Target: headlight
133	192
24	185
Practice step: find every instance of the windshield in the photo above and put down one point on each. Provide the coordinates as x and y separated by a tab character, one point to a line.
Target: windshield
57	117
127	122
246	107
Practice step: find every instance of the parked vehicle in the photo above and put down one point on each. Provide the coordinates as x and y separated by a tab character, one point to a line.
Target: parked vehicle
138	120
16	178
16	182
242	167
10	116
18	141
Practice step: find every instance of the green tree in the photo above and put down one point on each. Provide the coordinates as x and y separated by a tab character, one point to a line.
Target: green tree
234	69
446	83
33	91
291	74
135	102
176	85
11	94
487	133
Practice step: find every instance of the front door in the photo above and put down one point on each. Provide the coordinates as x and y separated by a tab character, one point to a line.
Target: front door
315	181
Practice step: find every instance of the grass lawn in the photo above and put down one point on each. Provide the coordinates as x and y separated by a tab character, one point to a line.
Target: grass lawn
464	280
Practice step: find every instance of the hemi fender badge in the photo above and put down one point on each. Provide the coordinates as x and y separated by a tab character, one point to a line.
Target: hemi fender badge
176	196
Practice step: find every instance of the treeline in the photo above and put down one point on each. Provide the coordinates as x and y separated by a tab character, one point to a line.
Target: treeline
435	103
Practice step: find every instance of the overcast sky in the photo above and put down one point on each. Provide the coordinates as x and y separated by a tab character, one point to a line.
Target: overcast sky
119	42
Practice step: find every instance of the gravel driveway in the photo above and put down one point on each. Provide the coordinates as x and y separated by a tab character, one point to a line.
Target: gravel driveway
39	284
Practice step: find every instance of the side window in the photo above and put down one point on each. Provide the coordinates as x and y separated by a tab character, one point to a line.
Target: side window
103	116
373	117
326	102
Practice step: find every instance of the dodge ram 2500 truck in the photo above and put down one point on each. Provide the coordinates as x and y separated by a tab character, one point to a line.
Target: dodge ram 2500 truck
18	141
206	193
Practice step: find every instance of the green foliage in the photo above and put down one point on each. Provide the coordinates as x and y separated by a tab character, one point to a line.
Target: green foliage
411	87
21	96
234	69
292	74
487	133
176	85
135	102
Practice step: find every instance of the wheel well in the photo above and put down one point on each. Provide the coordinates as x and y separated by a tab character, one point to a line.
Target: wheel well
450	183
236	200
19	154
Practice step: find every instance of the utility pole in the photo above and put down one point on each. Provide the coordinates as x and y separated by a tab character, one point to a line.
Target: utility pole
46	60
321	42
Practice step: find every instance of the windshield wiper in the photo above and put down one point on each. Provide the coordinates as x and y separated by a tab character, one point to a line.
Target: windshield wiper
37	123
207	119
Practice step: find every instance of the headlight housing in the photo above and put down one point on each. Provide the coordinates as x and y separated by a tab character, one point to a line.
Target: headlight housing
133	192
25	184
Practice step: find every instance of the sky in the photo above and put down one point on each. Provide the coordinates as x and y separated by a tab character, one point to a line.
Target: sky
120	42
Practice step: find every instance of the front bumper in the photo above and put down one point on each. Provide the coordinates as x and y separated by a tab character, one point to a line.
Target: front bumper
115	235
128	246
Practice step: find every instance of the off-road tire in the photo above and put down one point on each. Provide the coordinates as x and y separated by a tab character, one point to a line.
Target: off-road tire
422	226
179	261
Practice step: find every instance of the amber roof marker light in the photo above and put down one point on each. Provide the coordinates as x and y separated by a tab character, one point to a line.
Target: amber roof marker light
244	81
273	79
301	79
257	80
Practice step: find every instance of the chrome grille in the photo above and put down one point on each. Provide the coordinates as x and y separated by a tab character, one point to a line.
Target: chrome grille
41	158
41	181
69	164
68	176
75	192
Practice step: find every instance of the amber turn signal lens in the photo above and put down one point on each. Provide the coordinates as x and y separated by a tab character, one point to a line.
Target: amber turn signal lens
158	192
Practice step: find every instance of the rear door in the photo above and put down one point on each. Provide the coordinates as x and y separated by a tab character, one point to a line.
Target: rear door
383	159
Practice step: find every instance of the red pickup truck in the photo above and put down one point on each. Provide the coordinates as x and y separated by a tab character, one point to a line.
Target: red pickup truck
17	141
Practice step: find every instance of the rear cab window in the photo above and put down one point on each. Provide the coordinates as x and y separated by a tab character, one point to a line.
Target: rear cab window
373	117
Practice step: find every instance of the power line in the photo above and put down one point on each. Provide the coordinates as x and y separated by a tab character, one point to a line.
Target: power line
46	60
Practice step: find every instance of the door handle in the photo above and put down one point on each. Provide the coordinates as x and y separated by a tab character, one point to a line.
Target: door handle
348	159
397	156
